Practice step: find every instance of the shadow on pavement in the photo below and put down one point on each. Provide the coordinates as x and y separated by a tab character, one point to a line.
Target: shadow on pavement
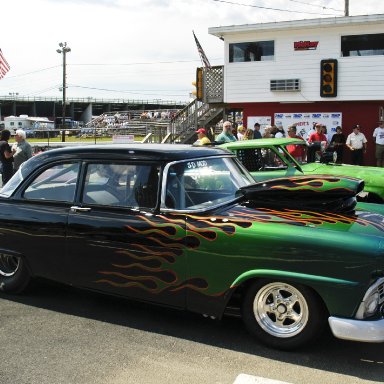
362	360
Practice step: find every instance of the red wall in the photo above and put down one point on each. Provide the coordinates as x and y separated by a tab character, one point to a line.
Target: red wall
366	114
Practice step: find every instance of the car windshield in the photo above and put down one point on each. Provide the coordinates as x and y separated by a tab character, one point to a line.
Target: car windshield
203	183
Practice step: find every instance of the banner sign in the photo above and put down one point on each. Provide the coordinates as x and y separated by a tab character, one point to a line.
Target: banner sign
123	139
305	121
262	120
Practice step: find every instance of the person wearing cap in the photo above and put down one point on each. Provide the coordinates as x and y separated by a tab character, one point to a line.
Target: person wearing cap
357	143
226	136
378	136
22	150
202	138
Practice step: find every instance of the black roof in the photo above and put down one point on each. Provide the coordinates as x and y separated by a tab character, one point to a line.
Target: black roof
159	152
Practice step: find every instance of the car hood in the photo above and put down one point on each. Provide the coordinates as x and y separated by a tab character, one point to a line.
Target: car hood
340	170
305	192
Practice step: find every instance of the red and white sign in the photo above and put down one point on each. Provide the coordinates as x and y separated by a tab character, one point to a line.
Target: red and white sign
305	45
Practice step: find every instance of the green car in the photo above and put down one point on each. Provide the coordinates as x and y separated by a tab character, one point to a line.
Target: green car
269	159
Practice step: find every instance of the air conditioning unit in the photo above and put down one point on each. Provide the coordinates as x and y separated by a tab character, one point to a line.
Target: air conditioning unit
285	85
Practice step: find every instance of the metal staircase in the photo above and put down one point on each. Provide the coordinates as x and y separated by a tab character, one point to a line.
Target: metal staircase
195	115
205	113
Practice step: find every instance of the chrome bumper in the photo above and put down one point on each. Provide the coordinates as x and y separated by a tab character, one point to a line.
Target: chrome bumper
357	330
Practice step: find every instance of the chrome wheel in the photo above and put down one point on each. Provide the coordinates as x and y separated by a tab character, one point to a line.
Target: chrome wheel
9	265
280	310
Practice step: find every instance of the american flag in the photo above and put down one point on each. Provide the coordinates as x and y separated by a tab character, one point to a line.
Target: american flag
203	57
4	66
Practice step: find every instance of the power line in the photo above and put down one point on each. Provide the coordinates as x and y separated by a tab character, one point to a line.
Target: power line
272	9
140	63
316	5
136	92
30	73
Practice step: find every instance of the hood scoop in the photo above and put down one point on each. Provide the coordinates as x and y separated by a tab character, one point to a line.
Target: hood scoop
315	193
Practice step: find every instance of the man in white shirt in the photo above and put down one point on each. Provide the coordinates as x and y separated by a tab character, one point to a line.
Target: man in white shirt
357	143
378	136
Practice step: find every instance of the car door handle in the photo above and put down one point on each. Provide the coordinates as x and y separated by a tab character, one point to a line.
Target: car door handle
75	208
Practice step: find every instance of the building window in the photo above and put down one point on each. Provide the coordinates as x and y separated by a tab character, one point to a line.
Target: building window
362	45
252	51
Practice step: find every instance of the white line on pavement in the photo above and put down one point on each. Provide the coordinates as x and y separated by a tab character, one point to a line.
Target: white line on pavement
248	379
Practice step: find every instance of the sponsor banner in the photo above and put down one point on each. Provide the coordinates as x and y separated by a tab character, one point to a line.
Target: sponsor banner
306	120
262	120
123	139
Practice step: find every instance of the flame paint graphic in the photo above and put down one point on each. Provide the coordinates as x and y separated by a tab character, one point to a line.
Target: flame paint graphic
155	262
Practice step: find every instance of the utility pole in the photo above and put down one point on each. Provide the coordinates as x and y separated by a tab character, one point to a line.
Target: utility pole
346	8
64	49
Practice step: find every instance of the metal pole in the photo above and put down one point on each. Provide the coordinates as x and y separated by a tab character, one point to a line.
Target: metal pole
346	8
64	94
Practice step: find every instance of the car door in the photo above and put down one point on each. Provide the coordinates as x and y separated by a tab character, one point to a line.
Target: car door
116	243
34	220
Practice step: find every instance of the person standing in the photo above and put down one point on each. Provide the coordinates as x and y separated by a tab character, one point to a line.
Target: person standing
256	131
248	135
297	151
6	156
357	143
226	135
318	135
240	132
378	135
338	140
22	150
202	138
280	132
314	150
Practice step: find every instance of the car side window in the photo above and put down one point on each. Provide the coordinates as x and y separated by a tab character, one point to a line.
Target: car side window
57	183
121	185
260	159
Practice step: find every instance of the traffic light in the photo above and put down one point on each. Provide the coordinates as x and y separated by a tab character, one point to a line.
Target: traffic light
328	78
198	84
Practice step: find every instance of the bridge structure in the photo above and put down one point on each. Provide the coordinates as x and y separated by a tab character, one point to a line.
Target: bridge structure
78	109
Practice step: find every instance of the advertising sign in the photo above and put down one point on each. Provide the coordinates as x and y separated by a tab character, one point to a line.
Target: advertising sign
305	121
262	120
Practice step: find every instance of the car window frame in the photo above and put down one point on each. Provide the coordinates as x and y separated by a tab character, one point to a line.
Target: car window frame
25	183
164	208
82	181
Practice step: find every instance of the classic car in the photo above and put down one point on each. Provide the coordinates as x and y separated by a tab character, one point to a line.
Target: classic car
188	227
269	158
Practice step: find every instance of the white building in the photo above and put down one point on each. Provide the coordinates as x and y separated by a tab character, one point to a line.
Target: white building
273	72
25	122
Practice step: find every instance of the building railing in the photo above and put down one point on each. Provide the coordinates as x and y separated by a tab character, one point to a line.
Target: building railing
91	100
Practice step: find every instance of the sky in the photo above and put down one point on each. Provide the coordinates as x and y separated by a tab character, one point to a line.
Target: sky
132	49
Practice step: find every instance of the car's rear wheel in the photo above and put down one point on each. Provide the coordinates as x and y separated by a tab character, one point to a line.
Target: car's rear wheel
14	275
282	315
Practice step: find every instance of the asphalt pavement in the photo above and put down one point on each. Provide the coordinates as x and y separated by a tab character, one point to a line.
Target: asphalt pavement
58	335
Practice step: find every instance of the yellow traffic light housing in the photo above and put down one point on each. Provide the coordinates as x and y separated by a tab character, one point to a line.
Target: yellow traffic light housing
328	78
198	84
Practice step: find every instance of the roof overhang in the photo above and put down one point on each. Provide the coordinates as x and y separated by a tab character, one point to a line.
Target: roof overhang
221	32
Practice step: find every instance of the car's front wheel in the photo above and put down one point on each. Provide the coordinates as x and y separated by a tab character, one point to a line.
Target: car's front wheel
282	315
14	274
